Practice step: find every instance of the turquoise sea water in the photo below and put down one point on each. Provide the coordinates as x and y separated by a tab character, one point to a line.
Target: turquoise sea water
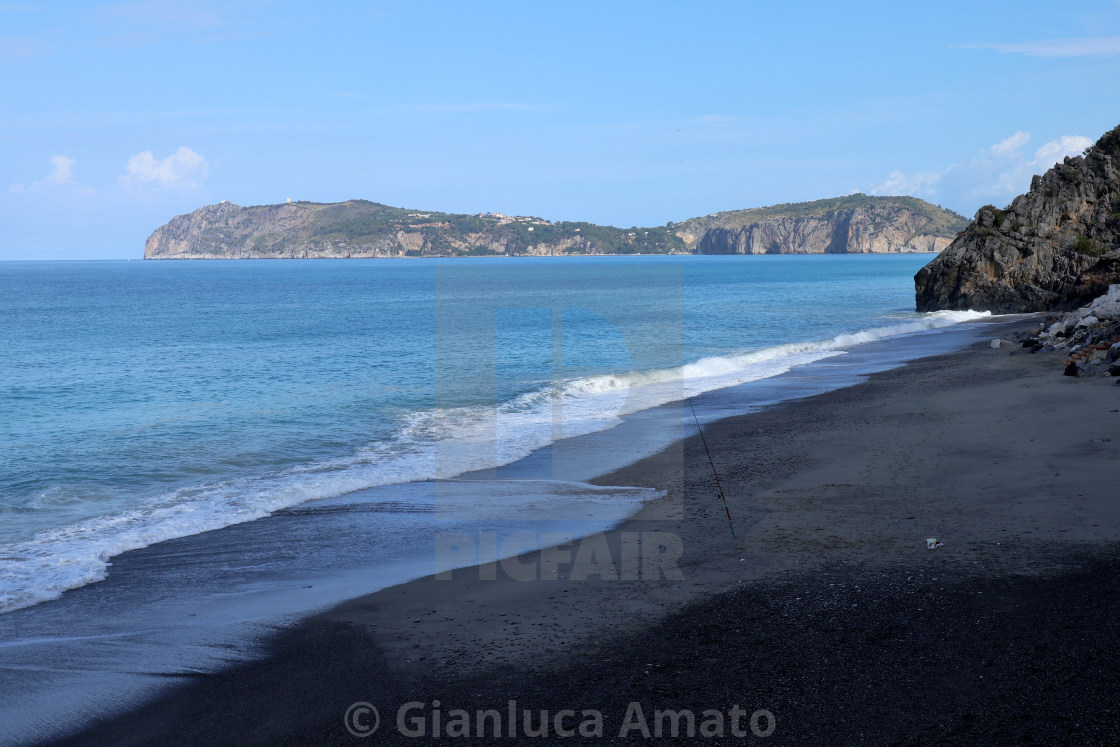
144	401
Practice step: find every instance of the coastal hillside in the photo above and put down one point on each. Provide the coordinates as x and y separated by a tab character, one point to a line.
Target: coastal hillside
359	228
1055	247
856	224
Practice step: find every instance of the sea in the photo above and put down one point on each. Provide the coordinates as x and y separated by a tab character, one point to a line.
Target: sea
193	453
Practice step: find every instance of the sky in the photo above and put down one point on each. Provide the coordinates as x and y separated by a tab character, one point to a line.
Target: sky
117	116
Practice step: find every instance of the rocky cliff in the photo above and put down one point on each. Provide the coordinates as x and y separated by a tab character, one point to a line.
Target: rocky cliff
358	228
1055	247
856	224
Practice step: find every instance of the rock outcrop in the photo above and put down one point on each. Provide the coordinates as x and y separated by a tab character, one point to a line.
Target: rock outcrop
358	228
1088	336
853	225
1055	247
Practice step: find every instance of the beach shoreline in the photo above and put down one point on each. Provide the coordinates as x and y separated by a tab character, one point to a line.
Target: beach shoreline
845	485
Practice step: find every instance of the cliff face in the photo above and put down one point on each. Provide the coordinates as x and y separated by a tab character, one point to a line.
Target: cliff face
358	228
1055	247
883	227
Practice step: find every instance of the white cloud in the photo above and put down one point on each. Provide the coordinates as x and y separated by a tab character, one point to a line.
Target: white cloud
1011	144
1001	172
898	183
61	175
1098	46
1056	150
62	171
183	169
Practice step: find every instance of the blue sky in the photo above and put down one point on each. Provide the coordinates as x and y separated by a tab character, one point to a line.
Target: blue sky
117	116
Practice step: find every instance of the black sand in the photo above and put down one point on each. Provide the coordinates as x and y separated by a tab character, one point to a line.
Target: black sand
828	610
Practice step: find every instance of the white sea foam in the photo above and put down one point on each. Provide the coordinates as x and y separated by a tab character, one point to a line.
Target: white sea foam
436	444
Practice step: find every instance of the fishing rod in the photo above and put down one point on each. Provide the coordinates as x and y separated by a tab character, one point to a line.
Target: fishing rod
719	487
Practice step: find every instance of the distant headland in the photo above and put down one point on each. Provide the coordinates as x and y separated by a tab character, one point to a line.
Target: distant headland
855	224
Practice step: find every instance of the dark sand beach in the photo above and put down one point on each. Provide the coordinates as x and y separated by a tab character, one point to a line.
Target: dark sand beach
826	609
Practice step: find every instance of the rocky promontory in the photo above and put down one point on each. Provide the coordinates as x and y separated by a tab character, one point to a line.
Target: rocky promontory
856	224
359	228
1055	247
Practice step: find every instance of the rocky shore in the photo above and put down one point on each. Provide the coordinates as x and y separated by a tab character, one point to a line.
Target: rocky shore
1090	335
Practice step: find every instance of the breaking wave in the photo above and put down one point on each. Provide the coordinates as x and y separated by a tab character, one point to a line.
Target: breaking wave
434	444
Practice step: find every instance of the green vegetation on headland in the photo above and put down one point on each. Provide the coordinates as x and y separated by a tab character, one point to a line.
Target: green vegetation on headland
359	228
361	221
943	222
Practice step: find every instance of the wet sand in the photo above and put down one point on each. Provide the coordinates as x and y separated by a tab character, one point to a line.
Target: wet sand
826	609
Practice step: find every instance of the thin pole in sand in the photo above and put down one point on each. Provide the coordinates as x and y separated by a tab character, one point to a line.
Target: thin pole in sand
714	473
